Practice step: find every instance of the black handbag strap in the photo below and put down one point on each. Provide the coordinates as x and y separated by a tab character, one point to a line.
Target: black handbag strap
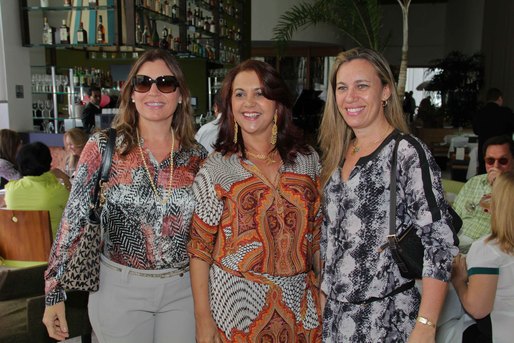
425	176
392	191
105	168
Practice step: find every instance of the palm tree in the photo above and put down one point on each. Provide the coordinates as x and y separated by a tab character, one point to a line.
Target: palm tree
359	20
402	77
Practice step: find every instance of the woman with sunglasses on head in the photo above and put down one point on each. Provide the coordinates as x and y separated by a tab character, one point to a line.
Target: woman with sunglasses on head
484	278
144	293
255	234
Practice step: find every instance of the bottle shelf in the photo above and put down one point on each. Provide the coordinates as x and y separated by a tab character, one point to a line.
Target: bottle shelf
69	8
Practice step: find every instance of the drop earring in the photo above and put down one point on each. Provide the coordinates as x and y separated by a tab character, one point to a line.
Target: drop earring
235	131
274	129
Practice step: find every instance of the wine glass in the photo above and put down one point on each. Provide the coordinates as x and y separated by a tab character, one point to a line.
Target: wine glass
49	106
41	106
485	202
34	109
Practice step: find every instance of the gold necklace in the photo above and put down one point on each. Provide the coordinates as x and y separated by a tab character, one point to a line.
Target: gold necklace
168	191
357	148
263	157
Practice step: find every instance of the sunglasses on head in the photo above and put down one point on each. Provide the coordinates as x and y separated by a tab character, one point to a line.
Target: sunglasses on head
502	160
165	83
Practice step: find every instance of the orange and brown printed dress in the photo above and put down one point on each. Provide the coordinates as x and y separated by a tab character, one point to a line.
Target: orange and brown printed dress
260	238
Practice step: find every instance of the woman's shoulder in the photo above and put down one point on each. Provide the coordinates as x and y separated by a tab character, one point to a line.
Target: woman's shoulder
486	247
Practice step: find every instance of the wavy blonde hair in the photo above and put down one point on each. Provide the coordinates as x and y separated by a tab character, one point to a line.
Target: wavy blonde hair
502	216
335	135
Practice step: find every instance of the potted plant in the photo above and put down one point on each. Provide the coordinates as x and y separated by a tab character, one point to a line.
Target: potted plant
458	78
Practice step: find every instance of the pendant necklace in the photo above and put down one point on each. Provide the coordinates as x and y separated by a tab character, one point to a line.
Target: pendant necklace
356	148
165	198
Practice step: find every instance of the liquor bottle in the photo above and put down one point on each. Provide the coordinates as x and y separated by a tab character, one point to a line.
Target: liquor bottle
139	35
93	3
145	37
170	40
155	34
67	3
100	32
176	44
174	11
43	3
163	44
189	17
64	33
81	34
48	32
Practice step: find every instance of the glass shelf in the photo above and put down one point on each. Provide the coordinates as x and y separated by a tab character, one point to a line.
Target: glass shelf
51	118
69	8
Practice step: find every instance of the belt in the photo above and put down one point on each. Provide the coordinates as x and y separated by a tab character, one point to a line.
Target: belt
179	271
400	289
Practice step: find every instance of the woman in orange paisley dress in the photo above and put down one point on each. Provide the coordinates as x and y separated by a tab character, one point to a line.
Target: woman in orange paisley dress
255	234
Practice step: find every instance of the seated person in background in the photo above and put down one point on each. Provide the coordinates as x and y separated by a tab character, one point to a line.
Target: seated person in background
208	133
39	188
10	142
484	279
74	141
92	109
498	154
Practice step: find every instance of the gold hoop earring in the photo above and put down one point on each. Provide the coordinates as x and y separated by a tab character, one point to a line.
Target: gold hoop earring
385	102
235	131
274	129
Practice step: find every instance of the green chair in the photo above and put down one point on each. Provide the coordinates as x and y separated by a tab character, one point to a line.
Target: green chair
451	189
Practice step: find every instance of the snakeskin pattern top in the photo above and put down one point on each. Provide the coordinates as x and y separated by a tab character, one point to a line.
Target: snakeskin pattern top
140	232
356	222
243	225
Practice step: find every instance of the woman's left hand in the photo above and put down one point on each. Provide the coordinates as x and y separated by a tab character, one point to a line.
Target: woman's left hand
422	334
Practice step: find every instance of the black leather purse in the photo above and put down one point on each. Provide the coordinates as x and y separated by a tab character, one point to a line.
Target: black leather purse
407	249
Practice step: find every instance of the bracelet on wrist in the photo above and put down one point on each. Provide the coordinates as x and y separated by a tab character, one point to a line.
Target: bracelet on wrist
425	321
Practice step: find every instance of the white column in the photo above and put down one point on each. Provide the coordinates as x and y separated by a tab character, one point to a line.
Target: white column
15	112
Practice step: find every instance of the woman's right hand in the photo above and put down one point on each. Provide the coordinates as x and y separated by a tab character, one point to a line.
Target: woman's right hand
54	319
206	330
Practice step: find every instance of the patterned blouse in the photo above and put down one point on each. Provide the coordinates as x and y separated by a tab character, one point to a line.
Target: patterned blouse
140	232
356	223
260	241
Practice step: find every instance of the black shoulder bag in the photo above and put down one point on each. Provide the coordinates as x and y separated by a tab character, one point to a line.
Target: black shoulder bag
83	269
407	249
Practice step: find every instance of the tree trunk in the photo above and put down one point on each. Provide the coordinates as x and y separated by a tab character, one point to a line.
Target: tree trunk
402	77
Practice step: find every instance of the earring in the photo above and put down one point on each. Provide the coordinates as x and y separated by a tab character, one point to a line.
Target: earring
133	100
180	102
235	131
274	129
385	102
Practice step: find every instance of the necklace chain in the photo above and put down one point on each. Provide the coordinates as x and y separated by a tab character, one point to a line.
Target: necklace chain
357	148
263	157
165	198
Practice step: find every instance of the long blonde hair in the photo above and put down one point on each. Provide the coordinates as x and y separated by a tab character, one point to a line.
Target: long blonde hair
502	215
127	118
335	135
